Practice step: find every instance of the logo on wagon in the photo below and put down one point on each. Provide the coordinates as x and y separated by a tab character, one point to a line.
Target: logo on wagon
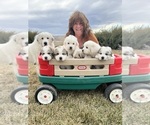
81	67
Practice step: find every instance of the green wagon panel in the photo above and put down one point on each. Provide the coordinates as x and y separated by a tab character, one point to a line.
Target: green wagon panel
135	78
23	79
79	83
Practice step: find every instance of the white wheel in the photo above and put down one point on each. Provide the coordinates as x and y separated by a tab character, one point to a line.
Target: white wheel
114	93
116	96
45	97
45	94
138	92
140	96
20	95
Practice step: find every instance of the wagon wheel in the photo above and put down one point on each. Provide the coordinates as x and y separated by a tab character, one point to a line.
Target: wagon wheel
45	94
20	95
138	93
114	93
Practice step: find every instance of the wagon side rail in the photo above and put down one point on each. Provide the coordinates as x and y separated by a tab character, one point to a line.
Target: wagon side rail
81	67
136	66
22	66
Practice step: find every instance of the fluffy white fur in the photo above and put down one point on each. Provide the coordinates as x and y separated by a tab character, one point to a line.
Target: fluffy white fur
60	53
47	53
9	50
104	53
71	44
78	53
90	49
24	53
40	40
128	53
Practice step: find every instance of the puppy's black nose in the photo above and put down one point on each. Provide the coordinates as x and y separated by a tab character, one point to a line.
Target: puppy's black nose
70	48
102	58
45	43
45	58
60	58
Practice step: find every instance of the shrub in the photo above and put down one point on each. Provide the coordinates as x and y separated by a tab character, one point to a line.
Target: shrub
31	36
112	37
136	38
4	36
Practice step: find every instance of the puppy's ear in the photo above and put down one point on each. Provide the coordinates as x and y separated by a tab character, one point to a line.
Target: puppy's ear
13	37
77	44
22	50
92	47
41	51
92	50
99	51
133	54
19	53
111	54
55	51
52	51
51	48
36	38
109	49
65	51
52	38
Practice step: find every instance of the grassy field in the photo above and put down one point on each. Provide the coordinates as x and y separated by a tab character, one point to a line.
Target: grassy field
71	108
10	113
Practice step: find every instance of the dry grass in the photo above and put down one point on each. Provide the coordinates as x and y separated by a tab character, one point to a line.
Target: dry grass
135	114
10	113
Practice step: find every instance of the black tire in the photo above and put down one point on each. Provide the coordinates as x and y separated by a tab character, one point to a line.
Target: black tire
137	92
114	93
20	95
45	92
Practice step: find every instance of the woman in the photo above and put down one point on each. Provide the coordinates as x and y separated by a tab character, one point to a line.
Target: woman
79	27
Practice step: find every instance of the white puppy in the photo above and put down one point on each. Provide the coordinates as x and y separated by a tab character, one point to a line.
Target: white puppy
9	50
40	40
128	53
78	53
90	49
71	44
104	53
24	53
60	53
47	53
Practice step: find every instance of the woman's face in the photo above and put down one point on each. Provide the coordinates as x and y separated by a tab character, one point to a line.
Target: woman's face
78	28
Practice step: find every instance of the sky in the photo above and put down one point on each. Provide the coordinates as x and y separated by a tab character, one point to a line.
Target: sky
14	15
53	15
